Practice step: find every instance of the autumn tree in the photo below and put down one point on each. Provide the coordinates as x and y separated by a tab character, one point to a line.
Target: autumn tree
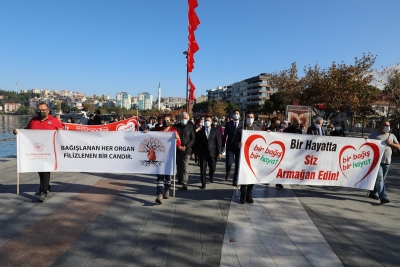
88	108
339	87
217	108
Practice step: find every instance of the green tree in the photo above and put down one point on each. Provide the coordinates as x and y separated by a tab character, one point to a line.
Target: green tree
65	107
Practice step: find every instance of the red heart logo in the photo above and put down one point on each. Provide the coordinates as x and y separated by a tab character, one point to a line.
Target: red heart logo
248	144
375	159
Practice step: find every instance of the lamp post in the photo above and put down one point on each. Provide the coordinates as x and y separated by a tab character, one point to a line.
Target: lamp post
187	83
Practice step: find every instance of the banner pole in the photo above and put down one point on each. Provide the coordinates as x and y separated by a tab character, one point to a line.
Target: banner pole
17	183
174	169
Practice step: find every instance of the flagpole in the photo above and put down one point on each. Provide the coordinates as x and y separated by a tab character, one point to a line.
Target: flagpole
187	82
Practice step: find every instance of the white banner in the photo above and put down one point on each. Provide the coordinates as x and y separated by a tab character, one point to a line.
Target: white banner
105	152
283	158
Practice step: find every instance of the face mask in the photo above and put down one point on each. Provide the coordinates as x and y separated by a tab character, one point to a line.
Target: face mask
166	123
41	114
317	126
235	117
183	122
249	121
69	120
202	122
337	128
386	129
215	123
283	126
207	124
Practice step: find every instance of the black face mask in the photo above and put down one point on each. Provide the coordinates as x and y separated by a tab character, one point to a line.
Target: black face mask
166	123
41	114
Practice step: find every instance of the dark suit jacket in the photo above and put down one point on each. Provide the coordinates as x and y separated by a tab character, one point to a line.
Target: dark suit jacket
208	147
186	133
231	143
313	130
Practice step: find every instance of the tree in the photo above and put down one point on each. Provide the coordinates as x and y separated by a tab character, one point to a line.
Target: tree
65	107
217	108
88	108
339	88
22	110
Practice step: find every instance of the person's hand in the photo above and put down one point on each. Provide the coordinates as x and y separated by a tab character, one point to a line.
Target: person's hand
59	129
145	131
220	156
268	131
15	131
240	144
388	142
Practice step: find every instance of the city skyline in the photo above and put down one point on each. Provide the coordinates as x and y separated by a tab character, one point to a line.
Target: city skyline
115	46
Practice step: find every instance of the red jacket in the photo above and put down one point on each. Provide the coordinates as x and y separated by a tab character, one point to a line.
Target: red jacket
51	123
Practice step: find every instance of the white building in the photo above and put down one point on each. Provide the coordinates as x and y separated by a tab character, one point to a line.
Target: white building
123	100
145	101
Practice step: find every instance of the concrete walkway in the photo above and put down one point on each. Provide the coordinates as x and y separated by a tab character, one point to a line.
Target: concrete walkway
95	219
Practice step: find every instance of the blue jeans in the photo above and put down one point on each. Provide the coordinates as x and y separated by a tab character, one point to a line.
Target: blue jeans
380	181
230	157
163	181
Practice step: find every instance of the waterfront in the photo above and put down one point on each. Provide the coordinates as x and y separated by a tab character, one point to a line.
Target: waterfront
8	123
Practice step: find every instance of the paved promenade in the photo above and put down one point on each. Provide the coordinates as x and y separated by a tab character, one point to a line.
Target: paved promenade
95	219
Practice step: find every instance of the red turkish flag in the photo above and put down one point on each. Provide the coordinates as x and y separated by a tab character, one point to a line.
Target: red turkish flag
193	46
193	19
192	4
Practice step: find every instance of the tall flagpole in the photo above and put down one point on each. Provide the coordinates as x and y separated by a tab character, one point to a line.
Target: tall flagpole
159	95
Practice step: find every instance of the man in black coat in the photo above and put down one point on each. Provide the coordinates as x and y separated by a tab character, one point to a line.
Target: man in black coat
338	130
208	144
316	128
232	145
294	128
187	136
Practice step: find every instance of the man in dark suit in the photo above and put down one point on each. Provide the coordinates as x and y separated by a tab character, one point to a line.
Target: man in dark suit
187	136
208	144
232	145
316	128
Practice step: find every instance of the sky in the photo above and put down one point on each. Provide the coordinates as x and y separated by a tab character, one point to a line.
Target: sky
111	46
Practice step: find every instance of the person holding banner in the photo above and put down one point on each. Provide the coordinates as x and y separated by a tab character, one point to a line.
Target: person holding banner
391	143
209	148
275	127
187	136
232	145
164	181
43	121
338	130
246	190
294	128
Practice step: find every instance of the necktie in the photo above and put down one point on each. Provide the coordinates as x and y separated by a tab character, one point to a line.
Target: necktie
207	133
235	126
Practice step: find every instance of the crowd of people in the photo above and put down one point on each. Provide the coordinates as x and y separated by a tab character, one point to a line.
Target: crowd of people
206	139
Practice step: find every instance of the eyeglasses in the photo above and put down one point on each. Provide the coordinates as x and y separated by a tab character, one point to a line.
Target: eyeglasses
42	110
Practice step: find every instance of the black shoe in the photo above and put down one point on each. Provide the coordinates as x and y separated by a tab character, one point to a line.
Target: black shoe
235	184
279	186
203	187
242	200
385	200
373	196
184	187
211	180
250	199
179	182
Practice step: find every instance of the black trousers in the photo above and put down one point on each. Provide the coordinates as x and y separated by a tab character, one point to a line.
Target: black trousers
44	182
212	165
246	190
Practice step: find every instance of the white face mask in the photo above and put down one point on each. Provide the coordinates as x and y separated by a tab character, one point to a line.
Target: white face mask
386	129
215	123
337	128
318	126
235	117
249	121
183	122
207	124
